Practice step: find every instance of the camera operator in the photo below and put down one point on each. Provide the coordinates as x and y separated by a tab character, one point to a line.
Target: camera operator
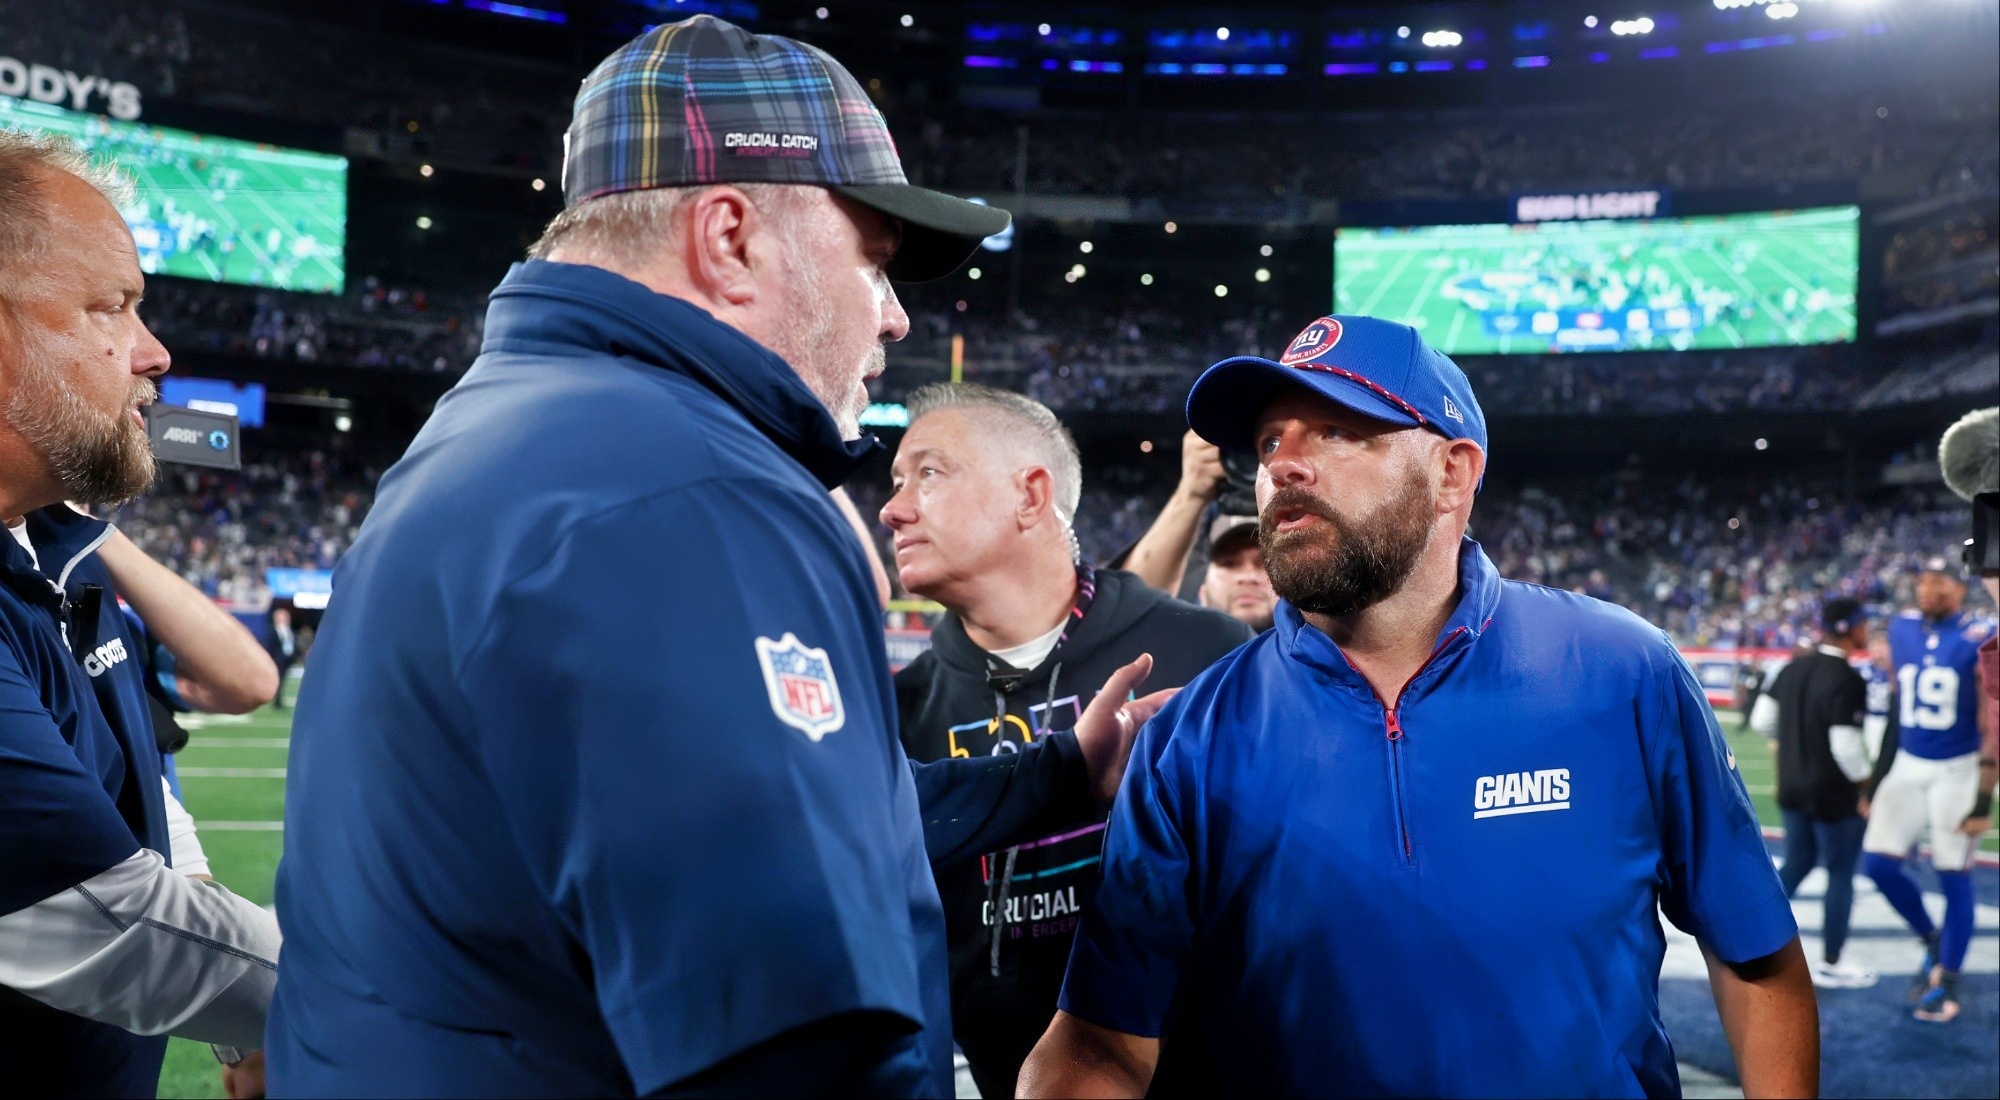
1225	571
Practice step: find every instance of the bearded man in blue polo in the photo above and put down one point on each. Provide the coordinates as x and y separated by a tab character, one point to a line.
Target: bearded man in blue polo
1416	839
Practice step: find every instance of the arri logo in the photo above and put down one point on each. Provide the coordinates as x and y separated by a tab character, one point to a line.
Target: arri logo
1315	340
800	681
1520	793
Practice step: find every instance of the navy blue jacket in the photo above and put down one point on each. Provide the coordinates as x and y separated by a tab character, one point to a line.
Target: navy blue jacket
79	784
595	780
1457	897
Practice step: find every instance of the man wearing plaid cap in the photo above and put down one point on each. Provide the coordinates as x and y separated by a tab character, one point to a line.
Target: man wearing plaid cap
555	846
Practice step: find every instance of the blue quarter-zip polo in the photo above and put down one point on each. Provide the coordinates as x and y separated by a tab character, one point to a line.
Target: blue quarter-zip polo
1457	896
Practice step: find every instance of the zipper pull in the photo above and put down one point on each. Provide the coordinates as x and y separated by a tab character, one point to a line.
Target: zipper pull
1395	725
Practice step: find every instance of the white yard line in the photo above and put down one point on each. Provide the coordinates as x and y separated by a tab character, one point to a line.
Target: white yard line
230	773
213	742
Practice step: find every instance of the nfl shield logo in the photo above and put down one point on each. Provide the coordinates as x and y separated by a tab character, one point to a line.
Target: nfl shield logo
800	682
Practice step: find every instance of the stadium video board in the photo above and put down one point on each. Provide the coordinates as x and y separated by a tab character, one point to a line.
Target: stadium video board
216	208
1707	282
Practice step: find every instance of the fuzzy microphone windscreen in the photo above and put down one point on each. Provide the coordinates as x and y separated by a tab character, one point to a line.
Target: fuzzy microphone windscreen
1970	453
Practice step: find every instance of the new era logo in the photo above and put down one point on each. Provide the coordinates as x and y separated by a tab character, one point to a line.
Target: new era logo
1451	411
1520	793
800	682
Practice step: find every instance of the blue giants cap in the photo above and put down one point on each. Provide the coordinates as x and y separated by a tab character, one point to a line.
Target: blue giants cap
1377	368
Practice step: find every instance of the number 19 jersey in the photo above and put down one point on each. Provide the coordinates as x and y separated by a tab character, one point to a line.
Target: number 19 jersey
1937	683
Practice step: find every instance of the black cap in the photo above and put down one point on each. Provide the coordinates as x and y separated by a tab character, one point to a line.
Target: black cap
1840	615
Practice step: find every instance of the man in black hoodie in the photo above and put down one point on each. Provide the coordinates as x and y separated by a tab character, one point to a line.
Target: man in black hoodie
986	487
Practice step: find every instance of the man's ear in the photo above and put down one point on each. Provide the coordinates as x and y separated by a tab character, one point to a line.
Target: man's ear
1463	465
721	243
1036	496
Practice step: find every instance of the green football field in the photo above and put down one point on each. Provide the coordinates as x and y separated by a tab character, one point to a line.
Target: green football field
233	777
217	208
1729	281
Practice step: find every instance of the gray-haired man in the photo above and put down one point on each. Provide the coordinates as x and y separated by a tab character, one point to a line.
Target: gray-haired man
986	488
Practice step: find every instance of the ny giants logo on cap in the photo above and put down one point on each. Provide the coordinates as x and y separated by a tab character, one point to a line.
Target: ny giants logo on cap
1315	340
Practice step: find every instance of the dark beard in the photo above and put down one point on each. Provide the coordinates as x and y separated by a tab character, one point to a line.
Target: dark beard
1353	566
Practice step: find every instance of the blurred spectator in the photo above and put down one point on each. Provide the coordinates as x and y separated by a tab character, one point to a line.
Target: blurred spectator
221	530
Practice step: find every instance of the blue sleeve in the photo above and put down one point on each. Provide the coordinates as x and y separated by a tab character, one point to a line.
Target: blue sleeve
982	804
1134	940
728	875
1718	884
58	826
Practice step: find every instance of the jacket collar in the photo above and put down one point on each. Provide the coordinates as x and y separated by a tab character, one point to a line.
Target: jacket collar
1478	597
545	308
62	538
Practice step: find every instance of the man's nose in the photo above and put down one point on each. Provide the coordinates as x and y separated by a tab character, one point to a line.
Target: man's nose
895	319
150	358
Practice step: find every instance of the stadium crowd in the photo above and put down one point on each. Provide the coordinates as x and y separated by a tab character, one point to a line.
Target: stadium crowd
1219	158
297	509
1715	563
493	111
373	325
1711	562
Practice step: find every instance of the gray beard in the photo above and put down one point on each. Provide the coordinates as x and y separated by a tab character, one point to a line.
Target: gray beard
97	461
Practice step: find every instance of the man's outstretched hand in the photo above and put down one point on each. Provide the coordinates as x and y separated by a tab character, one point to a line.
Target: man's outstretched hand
1111	723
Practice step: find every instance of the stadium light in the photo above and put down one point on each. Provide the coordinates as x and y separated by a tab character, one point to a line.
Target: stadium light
1641	25
1402	32
961	305
820	13
1439	40
1782	11
908	20
1763	444
423	221
425	171
972	273
1263	274
1085	247
1590	21
1146	279
1077	271
343	423
1264	251
1173	227
1145	446
1221	291
1043	30
1222	34
539	185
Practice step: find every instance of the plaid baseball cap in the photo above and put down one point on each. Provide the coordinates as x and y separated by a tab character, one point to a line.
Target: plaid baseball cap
704	101
1377	368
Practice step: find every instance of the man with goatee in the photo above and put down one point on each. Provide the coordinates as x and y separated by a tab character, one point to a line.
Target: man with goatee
1415	839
